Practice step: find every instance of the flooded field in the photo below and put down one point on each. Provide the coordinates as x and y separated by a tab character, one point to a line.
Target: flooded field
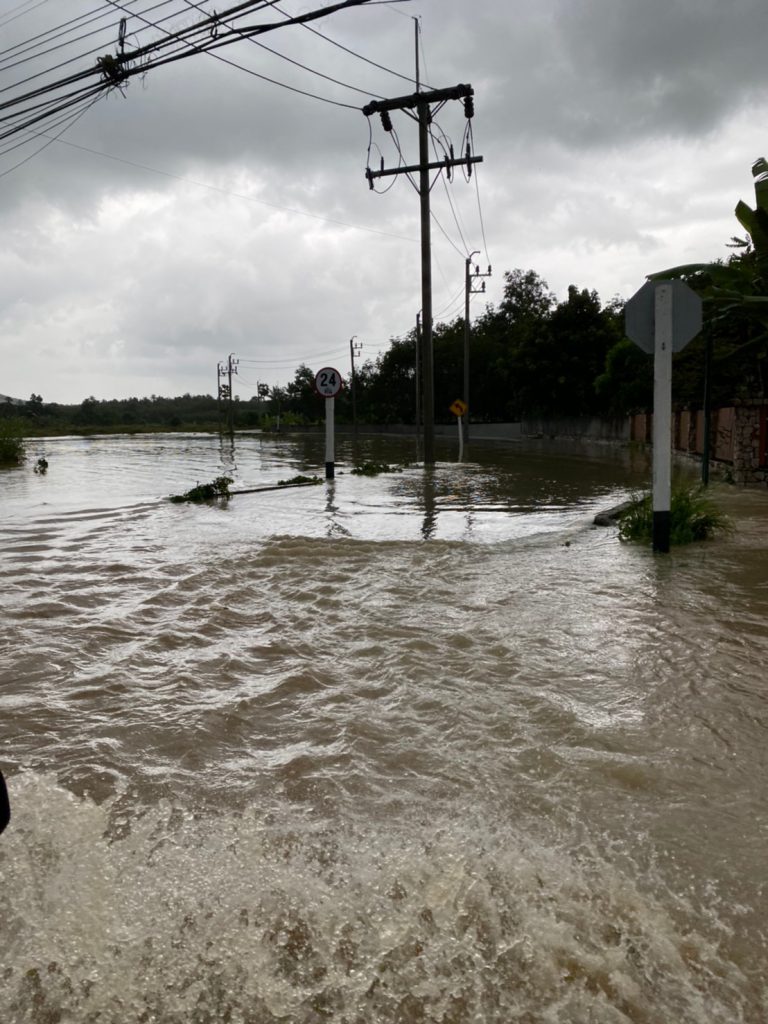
423	747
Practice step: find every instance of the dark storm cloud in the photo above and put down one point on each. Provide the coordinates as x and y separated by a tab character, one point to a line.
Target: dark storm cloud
118	277
604	72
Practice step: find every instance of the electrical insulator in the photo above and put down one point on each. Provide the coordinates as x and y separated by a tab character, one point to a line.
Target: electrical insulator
483	288
489	270
477	270
386	121
468	156
469	106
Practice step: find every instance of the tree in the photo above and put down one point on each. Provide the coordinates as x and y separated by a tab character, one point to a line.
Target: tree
301	397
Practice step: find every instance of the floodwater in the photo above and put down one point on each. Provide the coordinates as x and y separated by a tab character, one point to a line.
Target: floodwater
424	747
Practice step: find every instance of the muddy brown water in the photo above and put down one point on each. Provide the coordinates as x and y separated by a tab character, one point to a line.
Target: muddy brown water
424	747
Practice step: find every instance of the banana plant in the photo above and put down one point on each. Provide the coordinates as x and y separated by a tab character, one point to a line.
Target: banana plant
741	282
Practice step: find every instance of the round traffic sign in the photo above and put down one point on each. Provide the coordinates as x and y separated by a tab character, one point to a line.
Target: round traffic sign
328	382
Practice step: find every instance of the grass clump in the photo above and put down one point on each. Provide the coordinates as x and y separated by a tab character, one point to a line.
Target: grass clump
374	468
218	488
693	516
299	480
11	442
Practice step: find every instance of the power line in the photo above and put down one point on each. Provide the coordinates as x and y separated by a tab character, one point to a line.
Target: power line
277	363
255	74
114	71
328	78
62	31
13	17
31	136
229	192
451	302
354	53
106	31
447	236
479	208
70	121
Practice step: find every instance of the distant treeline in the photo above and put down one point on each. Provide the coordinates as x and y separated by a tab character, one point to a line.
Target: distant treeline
530	356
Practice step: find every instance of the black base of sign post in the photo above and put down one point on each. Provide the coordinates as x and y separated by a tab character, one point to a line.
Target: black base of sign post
661	530
330	470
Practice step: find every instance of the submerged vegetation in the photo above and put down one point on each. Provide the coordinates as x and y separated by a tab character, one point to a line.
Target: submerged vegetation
693	516
218	488
296	480
11	442
375	468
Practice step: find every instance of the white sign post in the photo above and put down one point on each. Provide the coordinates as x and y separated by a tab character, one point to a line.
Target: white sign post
328	384
662	317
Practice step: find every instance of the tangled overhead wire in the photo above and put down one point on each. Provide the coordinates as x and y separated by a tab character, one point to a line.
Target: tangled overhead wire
42	104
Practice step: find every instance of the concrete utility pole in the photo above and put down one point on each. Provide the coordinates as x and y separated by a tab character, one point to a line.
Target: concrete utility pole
355	348
422	103
417	366
225	390
469	277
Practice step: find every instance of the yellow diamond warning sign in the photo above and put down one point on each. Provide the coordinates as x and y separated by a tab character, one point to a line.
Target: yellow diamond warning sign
459	407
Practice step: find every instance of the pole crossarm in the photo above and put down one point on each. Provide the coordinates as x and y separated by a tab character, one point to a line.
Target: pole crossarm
417	99
439	165
422	102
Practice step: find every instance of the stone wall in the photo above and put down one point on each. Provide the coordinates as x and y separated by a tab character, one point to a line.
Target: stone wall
750	462
738	437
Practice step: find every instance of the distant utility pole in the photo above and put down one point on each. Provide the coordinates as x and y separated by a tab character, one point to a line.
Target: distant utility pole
469	277
422	103
355	348
222	390
225	370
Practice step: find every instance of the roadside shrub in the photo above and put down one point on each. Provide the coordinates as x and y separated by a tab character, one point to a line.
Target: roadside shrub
693	516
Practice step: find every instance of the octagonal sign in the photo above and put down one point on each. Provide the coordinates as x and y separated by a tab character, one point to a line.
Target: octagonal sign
640	318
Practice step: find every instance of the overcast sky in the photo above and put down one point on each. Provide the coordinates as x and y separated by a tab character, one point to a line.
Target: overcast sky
209	212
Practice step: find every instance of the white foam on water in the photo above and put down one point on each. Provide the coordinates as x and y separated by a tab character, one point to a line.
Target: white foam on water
159	915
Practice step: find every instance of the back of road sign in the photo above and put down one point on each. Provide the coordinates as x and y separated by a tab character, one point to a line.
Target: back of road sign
639	315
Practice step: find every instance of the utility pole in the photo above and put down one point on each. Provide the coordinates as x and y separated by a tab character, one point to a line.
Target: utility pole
225	390
418	384
355	348
469	277
422	103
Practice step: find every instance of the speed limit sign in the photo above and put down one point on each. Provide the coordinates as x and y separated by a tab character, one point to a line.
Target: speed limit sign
328	382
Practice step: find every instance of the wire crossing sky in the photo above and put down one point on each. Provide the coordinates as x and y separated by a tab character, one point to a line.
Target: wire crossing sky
175	186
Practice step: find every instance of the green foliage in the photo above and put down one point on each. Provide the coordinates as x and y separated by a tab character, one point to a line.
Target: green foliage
735	295
218	488
11	442
626	384
530	355
299	480
693	516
